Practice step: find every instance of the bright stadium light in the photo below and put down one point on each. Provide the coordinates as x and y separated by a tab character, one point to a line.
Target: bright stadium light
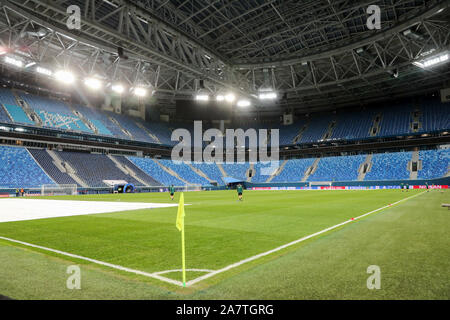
220	98
268	95
243	103
140	92
14	62
65	77
93	83
230	97
202	97
118	88
435	60
44	71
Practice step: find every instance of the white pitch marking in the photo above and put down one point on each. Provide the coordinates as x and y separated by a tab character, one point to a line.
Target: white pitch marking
234	265
181	270
15	209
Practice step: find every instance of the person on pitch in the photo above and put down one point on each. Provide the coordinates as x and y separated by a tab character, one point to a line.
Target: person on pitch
240	191
172	191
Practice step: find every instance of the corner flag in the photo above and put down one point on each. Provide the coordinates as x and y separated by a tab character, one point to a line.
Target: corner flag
180	215
180	227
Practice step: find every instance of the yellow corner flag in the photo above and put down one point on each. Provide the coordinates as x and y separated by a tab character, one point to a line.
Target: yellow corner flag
180	215
180	227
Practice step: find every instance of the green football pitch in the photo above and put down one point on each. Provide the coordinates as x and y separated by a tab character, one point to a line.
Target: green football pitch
230	247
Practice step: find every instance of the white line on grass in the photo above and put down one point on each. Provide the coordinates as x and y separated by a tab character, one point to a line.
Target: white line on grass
114	266
211	273
234	265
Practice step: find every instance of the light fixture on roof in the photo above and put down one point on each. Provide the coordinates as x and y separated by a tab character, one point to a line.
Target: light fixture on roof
267	95
202	94
118	88
93	83
412	34
220	98
437	59
44	71
65	76
140	92
243	103
14	62
230	97
202	97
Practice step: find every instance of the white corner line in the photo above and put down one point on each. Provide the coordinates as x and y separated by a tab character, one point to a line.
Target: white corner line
239	263
181	270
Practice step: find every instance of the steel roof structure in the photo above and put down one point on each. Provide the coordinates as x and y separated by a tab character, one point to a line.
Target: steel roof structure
316	54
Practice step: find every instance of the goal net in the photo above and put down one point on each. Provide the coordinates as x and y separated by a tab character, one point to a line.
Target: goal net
320	184
58	190
191	188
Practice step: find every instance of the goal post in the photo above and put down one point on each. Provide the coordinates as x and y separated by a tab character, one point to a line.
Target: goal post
59	190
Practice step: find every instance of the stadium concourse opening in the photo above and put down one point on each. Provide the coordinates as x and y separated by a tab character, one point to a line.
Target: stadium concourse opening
266	150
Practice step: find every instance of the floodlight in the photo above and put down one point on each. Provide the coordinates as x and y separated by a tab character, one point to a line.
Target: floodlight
220	98
230	97
14	62
118	88
268	95
65	77
44	71
434	60
93	83
202	97
140	92
243	103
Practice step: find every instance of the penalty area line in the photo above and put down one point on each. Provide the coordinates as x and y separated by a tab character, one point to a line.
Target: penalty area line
239	263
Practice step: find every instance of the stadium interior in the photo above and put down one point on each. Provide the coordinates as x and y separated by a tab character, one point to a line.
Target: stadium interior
96	104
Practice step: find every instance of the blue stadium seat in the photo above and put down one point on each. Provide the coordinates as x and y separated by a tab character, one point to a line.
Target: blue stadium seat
151	168
389	166
344	168
185	172
435	163
94	168
236	170
294	170
211	170
316	129
55	113
17	114
353	125
18	169
46	162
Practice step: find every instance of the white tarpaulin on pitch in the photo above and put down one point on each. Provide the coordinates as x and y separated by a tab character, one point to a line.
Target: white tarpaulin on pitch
30	209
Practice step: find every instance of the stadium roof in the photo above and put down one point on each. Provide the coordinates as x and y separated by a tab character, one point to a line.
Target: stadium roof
315	54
